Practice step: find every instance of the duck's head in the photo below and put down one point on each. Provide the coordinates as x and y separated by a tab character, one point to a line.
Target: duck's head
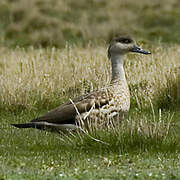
123	45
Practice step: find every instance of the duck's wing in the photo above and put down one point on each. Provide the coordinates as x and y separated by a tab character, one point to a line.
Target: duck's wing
66	113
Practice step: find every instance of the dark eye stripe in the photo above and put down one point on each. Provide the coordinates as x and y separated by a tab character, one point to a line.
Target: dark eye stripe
125	41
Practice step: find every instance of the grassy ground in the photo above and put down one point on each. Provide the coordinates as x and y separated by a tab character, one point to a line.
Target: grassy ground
128	154
56	22
146	145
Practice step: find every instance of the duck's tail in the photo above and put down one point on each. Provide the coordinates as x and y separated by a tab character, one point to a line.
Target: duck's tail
47	126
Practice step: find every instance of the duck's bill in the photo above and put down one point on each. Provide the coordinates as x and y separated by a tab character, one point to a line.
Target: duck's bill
140	50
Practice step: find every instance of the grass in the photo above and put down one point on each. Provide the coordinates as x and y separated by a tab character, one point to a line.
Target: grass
126	154
146	145
54	23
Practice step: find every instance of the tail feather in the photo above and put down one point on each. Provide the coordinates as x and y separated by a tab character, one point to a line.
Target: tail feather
25	125
47	126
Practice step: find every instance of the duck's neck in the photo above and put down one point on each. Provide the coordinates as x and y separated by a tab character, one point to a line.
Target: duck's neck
117	68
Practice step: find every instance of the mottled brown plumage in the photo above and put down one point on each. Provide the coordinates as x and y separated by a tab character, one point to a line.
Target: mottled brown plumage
111	102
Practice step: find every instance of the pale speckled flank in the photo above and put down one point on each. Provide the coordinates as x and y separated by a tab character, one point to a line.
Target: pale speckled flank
97	108
117	105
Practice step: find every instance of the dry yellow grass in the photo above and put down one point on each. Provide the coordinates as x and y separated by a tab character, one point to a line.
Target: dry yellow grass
29	77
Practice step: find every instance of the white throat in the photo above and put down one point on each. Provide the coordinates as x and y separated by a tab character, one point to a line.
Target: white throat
117	68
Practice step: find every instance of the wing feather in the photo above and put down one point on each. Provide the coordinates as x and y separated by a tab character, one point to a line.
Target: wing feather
67	112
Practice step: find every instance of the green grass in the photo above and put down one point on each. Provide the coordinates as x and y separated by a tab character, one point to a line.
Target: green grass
145	145
127	154
58	22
